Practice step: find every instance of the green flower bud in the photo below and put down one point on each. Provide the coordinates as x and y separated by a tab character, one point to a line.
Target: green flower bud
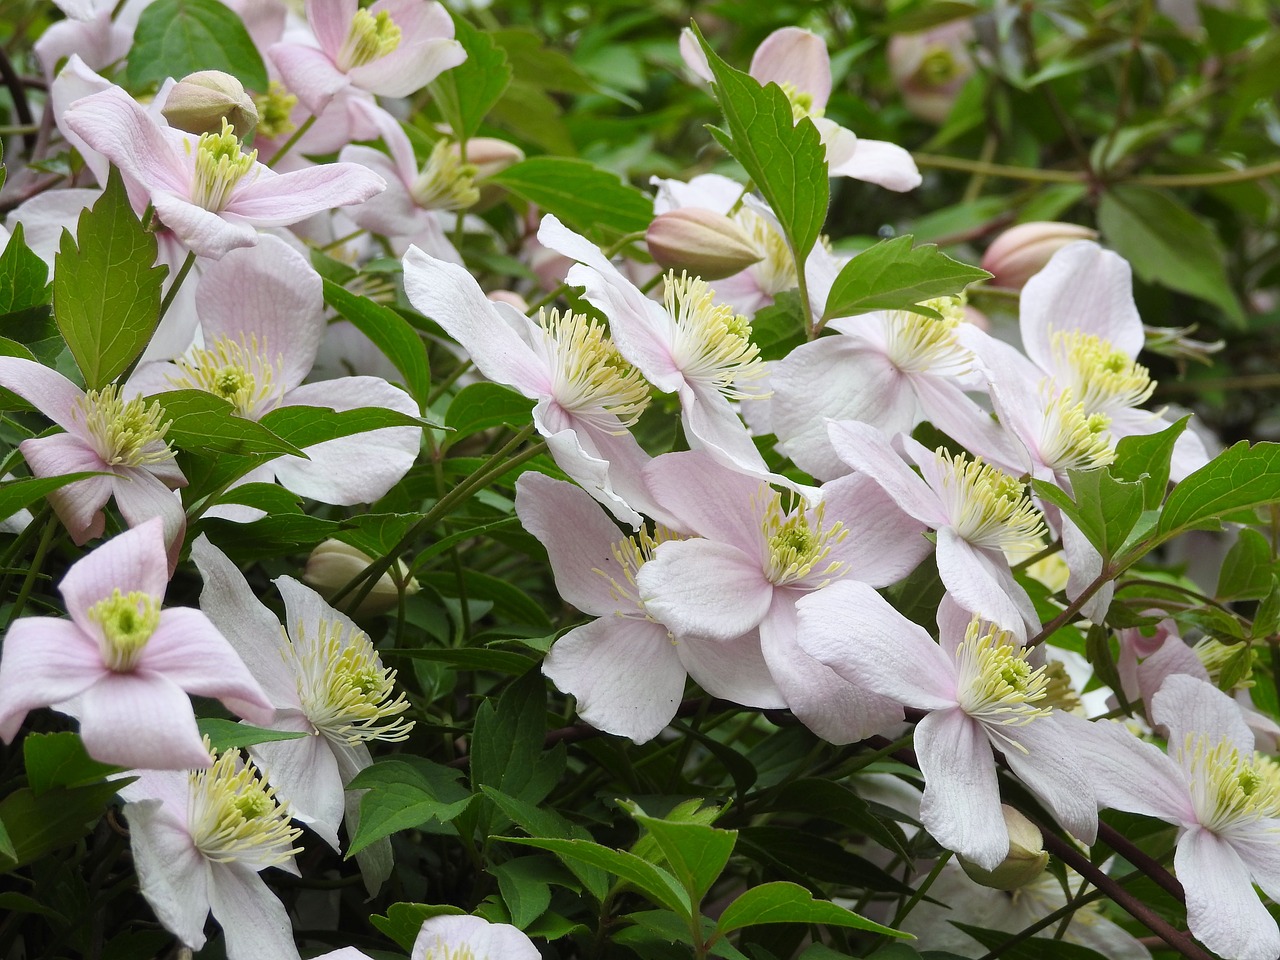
333	563
705	243
200	102
1025	861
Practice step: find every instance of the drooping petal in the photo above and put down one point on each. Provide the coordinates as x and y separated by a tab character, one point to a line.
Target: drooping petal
591	473
45	662
704	588
172	873
694	58
141	497
983	584
961	802
1223	911
78	505
798	57
253	920
203	232
1051	766
305	775
278	201
712	424
45	389
882	163
140	720
866	450
133	561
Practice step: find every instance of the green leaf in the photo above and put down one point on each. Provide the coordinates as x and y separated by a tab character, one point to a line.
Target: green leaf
59	760
656	883
37	825
1240	478
782	902
541	821
390	333
1266	622
24	277
468	658
1247	569
8	855
779	328
305	426
229	735
893	276
21	493
268	497
1145	458
204	423
466	93
106	293
590	200
508	736
1167	244
403	921
402	796
1035	948
696	852
525	885
1104	508
176	37
785	160
482	406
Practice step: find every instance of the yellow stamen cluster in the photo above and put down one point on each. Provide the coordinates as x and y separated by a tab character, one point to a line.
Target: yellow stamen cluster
1058	691
445	183
220	165
1070	437
127	622
710	343
987	507
1226	787
632	553
124	433
801	103
1230	662
1098	374
588	373
275	108
776	270
370	38
440	950
235	370
345	691
234	816
917	343
937	67
995	683
798	541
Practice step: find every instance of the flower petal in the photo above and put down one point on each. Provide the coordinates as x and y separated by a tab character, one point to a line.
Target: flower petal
172	873
961	802
1188	706
984	585
705	589
1223	911
866	450
47	390
708	499
133	561
733	670
305	775
203	232
883	544
118	127
46	661
279	201
1051	767
1130	774
140	720
460	936
798	57
78	505
253	920
310	74
884	164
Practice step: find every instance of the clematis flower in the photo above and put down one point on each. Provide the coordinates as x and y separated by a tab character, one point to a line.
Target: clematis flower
754	557
798	62
1225	801
207	190
625	669
90	32
473	938
393	48
121	439
121	664
981	695
199	841
322	675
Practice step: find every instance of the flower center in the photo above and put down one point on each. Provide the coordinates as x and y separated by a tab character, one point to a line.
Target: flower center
1230	666
234	816
632	553
920	344
370	38
798	542
938	67
124	433
801	103
127	622
711	343
345	691
1100	375
233	370
445	183
275	109
1070	438
220	165
987	507
776	270
1227	788
440	950
995	683
588	374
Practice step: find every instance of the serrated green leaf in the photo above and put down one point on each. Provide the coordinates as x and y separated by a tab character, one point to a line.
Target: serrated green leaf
540	821
1104	508
230	735
106	293
482	406
590	200
176	37
894	276
782	902
696	853
1266	621
390	333
204	423
779	328
59	760
1240	478
402	796
22	493
466	93
24	277
1145	458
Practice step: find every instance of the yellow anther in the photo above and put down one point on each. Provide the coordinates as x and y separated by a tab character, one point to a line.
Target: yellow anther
220	165
799	541
710	343
236	370
988	508
1101	377
370	38
124	433
234	815
445	183
127	622
995	682
589	375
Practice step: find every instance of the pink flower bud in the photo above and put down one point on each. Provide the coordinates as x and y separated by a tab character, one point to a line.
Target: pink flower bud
199	102
703	242
1021	252
489	155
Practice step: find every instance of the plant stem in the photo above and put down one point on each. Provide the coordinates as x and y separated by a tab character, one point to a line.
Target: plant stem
169	297
288	144
999	169
916	897
1147	864
46	541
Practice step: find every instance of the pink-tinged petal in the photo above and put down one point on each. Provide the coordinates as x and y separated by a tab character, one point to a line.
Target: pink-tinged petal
204	233
1051	766
1130	774
45	389
305	775
278	201
627	460
402	163
1256	844
1223	911
330	21
854	630
1084	565
449	936
78	505
244	621
708	499
831	706
134	560
142	497
589	472
961	802
1188	706
711	424
840	142
254	922
271	293
625	674
711	191
47	214
172	873
579	538
74	81
694	58
795	56
984	585
304	609
118	127
1189	454
309	73
733	670
449	295
409	68
1172	656
883	544
188	649
140	720
705	589
394	212
866	450
1082	288
884	164
45	662
957	415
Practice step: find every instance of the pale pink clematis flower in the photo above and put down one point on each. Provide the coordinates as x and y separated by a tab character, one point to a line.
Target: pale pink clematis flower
123	666
798	62
89	32
211	194
392	49
473	938
981	695
1225	800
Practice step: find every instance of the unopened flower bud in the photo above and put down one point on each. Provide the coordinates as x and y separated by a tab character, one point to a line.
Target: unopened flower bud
489	155
1021	252
333	563
199	102
509	297
1025	861
706	243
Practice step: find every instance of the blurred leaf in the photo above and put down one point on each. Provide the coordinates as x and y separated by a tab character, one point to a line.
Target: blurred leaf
466	93
390	333
59	760
590	200
1239	478
1034	948
37	825
893	276
782	902
176	37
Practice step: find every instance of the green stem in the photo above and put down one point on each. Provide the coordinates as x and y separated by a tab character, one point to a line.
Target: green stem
288	144
916	897
169	297
1207	179
33	573
998	169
